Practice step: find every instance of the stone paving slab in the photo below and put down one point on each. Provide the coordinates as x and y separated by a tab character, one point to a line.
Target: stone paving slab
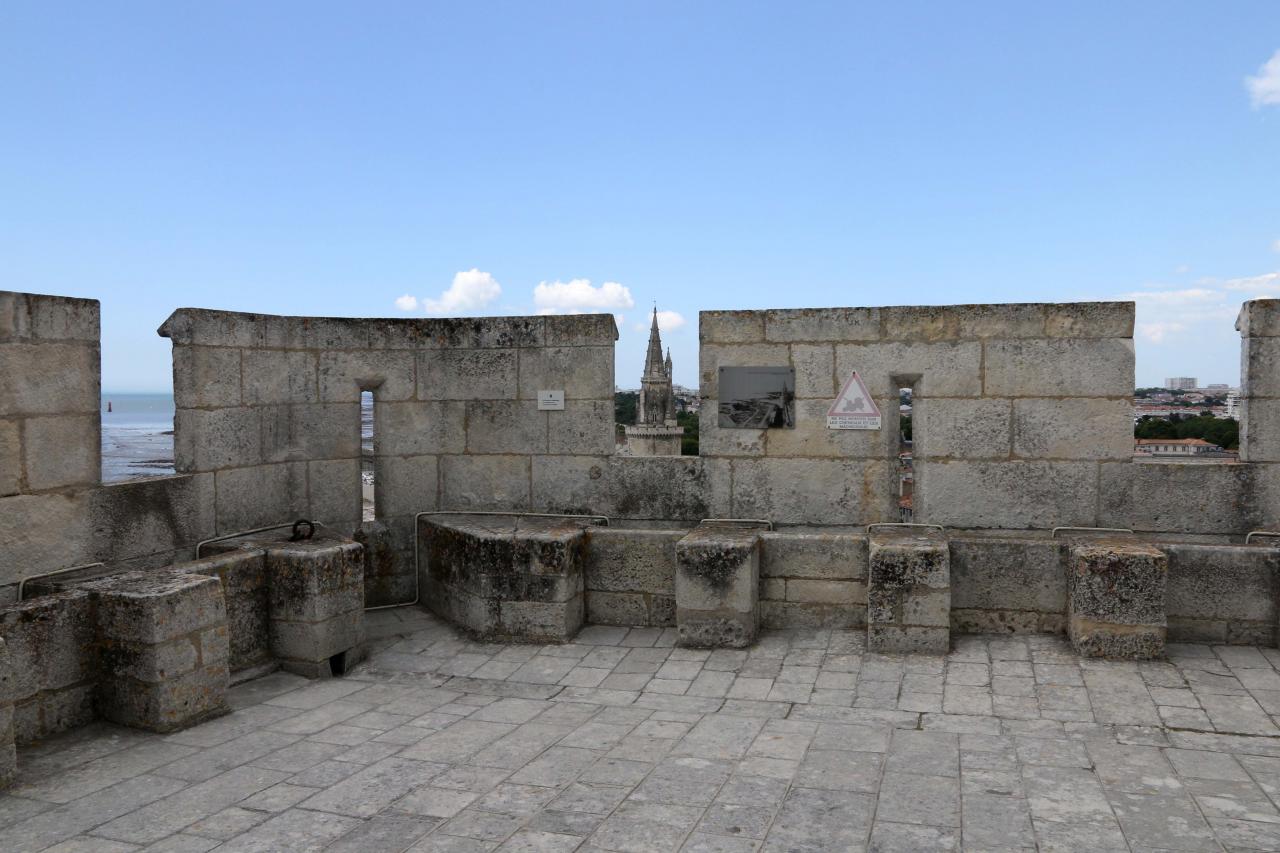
620	741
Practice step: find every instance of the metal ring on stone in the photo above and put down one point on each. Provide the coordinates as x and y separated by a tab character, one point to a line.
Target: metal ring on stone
298	537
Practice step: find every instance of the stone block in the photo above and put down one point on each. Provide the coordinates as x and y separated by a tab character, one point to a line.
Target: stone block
64	450
152	608
814	491
506	426
8	749
1007	574
826	592
921	323
336	492
712	357
945	368
1073	429
1222	582
493	332
206	377
820	556
41	533
168	705
617	608
1116	599
1260	366
578	330
242	573
815	366
310	431
1181	497
48	379
822	324
961	428
1015	320
405	485
467	374
261	495
389	374
210	439
312	649
908	591
631	560
1016	495
583	373
1089	319
714	441
152	516
792	614
671	488
730	327
1260	430
773	589
314	580
51	647
414	428
506	576
584	427
27	316
811	438
10	458
279	376
485	482
1059	367
1259	318
718	586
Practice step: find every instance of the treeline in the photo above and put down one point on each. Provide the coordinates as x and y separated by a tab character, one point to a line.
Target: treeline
1223	432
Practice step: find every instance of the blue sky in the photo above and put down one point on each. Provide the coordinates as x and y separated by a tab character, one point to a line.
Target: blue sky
330	159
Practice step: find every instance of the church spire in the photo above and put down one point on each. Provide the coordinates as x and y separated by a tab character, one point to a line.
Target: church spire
653	363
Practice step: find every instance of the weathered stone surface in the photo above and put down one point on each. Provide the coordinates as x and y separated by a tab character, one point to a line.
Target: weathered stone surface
576	330
1260	430
8	750
41	533
1073	429
310	431
583	373
335	494
1259	318
811	438
730	327
1089	319
53	655
279	376
261	495
717	586
413	428
206	377
506	576
10	458
43	378
814	491
822	324
506	426
1015	495
62	451
631	560
211	439
714	441
1181	497
1231	585
389	374
481	374
1007	574
1066	367
820	556
584	427
405	485
150	516
38	316
1116	599
961	428
242	573
946	369
908	591
484	482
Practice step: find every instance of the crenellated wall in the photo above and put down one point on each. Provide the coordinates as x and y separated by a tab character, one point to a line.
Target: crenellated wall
1022	422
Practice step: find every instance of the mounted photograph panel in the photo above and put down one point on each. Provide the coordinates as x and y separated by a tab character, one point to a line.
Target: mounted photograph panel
757	397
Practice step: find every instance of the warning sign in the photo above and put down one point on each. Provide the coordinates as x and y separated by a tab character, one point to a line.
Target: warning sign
854	408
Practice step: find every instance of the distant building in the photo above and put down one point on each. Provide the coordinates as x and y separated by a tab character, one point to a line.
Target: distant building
1233	404
655	432
1174	446
1181	383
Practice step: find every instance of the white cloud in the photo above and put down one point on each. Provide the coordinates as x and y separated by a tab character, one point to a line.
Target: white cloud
407	302
1267	284
578	296
471	290
1163	315
1187	296
1275	247
1264	88
1182	269
1156	332
668	321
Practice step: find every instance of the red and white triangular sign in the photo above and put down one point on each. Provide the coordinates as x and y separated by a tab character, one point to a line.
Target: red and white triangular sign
853	407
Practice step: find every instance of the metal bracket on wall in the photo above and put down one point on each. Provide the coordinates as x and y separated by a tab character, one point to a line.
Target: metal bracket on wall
290	524
1253	533
1054	534
22	584
737	521
905	524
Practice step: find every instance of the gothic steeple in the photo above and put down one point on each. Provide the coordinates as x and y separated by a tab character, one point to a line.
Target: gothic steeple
653	360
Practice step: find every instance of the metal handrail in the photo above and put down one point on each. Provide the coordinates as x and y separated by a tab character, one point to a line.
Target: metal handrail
417	582
204	542
1253	533
1054	534
905	524
22	584
763	521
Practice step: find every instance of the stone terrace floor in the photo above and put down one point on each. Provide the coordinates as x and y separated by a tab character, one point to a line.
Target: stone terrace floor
621	742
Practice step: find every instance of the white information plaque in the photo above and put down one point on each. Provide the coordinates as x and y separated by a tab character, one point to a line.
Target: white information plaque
551	401
853	407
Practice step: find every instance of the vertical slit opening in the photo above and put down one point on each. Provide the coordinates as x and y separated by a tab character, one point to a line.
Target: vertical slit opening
368	488
338	664
906	460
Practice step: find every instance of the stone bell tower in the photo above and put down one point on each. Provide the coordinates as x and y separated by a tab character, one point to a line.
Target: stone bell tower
655	432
